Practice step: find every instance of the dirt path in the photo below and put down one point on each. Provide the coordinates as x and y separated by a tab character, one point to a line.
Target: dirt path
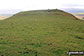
3	17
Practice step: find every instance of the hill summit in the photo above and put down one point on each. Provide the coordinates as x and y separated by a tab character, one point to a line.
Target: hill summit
55	12
41	33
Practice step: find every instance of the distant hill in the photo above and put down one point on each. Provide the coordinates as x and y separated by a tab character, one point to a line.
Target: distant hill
6	14
73	10
9	12
41	33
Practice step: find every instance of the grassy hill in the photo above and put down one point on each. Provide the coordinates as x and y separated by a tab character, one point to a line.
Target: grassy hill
41	33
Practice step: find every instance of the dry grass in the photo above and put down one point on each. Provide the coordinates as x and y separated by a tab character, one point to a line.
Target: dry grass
80	17
3	17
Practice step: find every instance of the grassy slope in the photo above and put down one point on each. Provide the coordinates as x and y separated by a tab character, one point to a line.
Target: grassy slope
41	33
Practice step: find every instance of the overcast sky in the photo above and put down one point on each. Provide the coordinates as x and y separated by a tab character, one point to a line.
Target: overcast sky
10	6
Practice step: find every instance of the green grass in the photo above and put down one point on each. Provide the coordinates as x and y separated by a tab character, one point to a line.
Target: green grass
41	33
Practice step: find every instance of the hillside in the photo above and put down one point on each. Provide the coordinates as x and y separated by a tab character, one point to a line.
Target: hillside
41	33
